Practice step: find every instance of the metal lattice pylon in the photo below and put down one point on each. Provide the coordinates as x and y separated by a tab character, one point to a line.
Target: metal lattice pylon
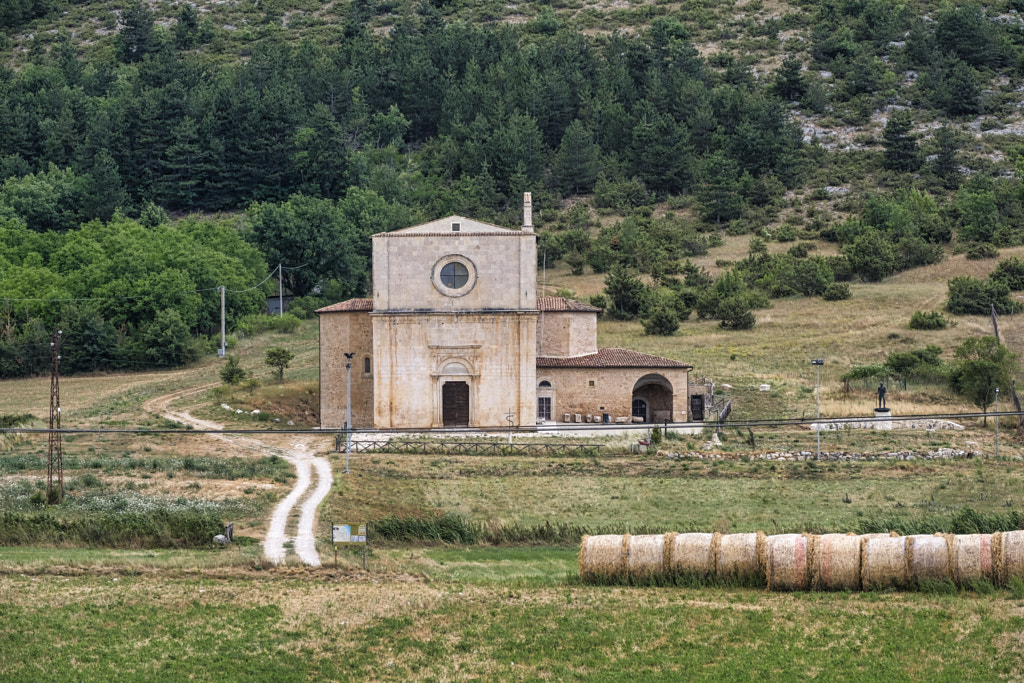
55	459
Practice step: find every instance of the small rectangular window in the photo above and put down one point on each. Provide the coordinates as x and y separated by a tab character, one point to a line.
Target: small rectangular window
590	383
456	227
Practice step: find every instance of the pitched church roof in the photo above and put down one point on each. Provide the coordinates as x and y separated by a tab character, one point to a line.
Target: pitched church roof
560	303
611	358
445	226
348	306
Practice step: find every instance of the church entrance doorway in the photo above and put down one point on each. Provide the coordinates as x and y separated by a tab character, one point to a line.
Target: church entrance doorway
455	404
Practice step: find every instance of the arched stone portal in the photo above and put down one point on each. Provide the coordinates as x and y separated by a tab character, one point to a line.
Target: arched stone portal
455	395
652	398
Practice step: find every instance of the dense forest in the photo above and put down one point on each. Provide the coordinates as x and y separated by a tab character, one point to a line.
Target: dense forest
393	113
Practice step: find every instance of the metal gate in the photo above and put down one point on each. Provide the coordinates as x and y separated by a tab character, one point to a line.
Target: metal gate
696	408
455	404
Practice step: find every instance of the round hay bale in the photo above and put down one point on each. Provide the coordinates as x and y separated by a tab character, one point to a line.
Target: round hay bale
835	562
603	556
669	544
972	558
787	562
645	555
927	558
737	556
997	558
1011	556
693	554
883	562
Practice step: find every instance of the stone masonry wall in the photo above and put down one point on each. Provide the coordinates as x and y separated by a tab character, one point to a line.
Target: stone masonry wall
340	333
611	393
417	352
505	266
565	334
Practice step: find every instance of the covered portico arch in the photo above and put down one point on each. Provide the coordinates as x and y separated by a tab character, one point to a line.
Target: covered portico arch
652	398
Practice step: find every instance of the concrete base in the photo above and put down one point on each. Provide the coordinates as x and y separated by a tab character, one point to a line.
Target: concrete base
883	419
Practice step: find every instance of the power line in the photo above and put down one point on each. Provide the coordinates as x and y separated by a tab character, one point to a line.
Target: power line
143	296
583	428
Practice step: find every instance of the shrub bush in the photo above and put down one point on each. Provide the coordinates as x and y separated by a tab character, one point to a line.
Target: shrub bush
251	325
928	320
837	291
1010	272
976	251
662	321
968	296
232	372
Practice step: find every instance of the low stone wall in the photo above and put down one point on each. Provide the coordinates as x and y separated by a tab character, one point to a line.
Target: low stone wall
799	456
884	424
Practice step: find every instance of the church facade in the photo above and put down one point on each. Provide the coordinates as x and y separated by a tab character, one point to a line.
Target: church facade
456	336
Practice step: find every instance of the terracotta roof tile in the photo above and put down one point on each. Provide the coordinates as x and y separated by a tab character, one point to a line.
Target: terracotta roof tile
612	358
559	303
347	306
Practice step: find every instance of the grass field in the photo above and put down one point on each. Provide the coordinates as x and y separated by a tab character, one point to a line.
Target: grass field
428	611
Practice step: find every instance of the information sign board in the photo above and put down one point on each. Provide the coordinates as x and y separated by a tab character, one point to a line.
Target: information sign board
348	534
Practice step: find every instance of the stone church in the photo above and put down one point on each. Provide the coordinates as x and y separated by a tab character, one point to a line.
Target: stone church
456	336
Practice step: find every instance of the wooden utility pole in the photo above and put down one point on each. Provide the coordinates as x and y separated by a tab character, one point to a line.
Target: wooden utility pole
55	455
223	337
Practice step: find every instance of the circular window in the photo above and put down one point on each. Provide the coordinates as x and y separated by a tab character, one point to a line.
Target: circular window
454	275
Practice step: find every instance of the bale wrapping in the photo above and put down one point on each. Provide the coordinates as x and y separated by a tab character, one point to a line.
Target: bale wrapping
603	556
883	561
972	558
669	546
787	562
737	556
645	556
1011	556
835	562
997	558
693	554
927	558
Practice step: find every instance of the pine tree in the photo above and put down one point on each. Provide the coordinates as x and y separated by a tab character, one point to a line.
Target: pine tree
719	190
577	160
901	152
105	192
789	81
946	164
135	39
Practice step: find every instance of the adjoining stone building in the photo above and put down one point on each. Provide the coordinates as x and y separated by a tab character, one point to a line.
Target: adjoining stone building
456	336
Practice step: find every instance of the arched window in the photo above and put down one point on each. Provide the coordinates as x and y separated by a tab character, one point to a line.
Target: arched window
545	385
367	365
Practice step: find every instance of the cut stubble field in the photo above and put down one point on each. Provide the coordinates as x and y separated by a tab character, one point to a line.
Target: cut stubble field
426	611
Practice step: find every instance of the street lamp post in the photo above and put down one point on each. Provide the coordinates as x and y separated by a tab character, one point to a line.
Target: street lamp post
817	363
348	409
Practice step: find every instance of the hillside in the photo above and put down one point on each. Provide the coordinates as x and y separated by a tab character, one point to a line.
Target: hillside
725	165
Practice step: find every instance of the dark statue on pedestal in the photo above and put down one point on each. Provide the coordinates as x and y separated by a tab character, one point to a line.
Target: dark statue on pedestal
881	397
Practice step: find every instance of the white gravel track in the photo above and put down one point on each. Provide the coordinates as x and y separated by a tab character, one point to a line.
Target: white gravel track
306	465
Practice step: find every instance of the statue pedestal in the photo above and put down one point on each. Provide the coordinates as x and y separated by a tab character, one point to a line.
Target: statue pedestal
883	419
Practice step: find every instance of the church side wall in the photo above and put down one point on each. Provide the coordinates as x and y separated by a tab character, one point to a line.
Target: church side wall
341	333
612	392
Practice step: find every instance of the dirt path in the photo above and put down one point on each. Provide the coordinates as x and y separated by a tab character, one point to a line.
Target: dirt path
306	464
